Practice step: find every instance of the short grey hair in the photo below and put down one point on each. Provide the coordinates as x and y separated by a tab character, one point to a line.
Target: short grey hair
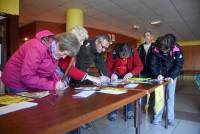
69	42
103	37
79	30
150	32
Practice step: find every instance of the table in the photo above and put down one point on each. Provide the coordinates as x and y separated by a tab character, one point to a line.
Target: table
57	115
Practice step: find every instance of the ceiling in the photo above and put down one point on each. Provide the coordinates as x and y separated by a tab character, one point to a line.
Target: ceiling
180	17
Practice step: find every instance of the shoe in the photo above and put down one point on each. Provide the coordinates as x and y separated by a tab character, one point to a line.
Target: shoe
87	126
155	122
130	115
112	117
171	123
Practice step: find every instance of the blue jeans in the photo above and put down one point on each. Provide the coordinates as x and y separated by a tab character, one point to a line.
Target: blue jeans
129	108
13	90
170	102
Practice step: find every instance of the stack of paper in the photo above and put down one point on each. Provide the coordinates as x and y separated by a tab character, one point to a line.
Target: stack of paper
16	106
131	86
6	99
84	94
111	90
86	88
117	82
139	80
34	94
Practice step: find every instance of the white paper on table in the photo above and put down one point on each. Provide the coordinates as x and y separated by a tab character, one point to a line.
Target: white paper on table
110	91
86	88
117	82
84	94
131	86
34	94
16	106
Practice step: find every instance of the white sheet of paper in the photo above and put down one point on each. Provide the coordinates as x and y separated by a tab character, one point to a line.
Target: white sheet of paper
34	94
86	88
110	91
131	86
84	94
16	106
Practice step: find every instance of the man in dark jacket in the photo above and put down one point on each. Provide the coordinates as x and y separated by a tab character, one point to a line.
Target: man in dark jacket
166	64
145	52
91	53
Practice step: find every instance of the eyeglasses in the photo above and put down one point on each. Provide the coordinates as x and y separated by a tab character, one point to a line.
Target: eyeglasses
104	44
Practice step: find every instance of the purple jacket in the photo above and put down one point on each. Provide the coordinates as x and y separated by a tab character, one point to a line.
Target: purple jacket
31	66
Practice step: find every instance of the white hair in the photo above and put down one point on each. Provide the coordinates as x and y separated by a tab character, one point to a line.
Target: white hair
80	31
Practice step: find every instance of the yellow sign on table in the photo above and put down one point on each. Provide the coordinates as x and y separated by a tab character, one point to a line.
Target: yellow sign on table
7	99
111	90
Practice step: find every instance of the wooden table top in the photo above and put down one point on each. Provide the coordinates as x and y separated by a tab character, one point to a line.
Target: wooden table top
63	113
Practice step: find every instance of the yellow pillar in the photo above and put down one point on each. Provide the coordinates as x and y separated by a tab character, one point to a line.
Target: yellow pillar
140	41
74	18
9	6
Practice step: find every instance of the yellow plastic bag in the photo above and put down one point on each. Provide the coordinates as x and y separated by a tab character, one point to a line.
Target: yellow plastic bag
159	99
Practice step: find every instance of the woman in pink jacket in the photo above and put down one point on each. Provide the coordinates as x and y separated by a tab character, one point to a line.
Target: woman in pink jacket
33	65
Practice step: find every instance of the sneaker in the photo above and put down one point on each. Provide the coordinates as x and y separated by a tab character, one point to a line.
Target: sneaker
155	122
130	115
112	116
87	126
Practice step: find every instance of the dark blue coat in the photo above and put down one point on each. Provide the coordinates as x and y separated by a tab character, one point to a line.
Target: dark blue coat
167	64
146	59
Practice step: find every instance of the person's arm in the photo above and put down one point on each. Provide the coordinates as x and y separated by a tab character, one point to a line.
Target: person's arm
109	63
100	64
83	58
137	64
77	74
178	65
29	74
94	79
154	65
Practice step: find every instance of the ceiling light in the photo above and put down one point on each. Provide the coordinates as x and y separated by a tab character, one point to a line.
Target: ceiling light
136	27
25	38
155	22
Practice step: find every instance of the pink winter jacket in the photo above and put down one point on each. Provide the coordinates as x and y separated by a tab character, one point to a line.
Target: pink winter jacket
31	66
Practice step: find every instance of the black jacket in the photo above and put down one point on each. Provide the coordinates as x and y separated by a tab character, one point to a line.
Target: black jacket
88	55
146	60
169	64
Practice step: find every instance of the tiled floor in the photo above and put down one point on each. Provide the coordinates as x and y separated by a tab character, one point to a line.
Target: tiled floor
103	126
187	106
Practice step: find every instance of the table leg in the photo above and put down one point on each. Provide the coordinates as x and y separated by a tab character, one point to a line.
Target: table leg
77	131
140	111
166	107
137	119
125	113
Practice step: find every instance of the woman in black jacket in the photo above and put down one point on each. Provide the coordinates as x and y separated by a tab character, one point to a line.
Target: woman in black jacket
166	64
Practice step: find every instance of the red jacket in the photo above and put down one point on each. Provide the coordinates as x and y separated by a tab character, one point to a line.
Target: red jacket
31	66
73	71
133	63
